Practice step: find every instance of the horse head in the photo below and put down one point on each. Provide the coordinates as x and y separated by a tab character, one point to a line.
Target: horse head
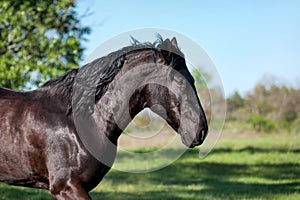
163	83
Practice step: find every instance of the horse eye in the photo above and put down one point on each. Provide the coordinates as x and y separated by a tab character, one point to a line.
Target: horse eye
179	81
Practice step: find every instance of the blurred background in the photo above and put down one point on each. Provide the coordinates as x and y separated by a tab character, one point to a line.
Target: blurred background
255	46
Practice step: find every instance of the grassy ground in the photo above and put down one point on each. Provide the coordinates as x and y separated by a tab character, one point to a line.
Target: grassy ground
242	166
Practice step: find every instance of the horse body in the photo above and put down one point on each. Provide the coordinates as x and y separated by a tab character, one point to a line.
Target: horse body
40	145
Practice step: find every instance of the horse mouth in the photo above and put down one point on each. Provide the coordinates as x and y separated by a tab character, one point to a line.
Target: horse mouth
198	140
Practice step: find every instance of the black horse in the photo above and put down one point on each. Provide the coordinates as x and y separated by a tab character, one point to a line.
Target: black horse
49	136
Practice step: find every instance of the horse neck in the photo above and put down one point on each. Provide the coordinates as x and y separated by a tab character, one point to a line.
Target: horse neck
125	97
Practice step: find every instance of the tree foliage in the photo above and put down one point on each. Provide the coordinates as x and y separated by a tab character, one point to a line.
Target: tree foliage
234	102
39	40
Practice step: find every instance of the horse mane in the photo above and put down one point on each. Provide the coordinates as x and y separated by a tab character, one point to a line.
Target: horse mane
93	78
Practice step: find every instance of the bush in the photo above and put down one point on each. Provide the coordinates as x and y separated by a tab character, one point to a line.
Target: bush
295	126
260	123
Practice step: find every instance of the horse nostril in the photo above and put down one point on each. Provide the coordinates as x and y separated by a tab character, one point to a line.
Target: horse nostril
203	134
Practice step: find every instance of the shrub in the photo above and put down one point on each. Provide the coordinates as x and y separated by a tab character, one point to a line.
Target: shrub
295	126
260	123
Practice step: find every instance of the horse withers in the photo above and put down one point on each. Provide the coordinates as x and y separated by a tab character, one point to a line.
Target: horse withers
45	133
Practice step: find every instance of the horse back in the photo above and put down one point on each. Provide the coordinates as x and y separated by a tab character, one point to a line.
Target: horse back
8	93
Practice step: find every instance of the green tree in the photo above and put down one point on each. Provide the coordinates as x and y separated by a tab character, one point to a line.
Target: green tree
39	40
201	78
234	102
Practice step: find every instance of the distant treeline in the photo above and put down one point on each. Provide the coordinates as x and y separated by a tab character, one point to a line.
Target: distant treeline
266	109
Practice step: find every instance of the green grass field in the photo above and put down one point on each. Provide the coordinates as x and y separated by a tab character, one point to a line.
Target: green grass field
242	166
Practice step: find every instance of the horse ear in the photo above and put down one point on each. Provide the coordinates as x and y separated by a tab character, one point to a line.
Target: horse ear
167	54
166	50
174	42
167	43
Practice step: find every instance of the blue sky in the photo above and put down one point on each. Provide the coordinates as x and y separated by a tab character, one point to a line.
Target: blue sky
245	39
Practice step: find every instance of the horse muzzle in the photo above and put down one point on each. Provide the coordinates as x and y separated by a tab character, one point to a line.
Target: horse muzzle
197	140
